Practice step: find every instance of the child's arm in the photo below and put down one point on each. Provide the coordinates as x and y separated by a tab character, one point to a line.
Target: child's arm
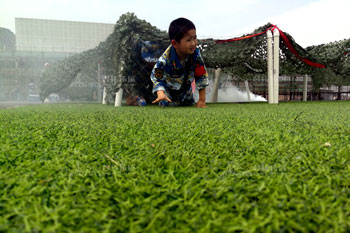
201	101
201	77
157	77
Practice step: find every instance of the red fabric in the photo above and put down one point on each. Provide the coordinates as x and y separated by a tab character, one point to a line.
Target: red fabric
284	38
237	39
291	48
199	71
244	37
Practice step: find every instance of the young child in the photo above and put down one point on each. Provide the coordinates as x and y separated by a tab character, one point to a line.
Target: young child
179	65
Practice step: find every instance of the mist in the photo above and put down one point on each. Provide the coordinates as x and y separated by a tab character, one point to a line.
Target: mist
228	92
233	94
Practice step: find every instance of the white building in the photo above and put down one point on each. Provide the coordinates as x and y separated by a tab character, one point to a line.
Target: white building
41	35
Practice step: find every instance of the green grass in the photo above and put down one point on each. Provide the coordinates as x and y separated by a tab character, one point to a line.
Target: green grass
226	168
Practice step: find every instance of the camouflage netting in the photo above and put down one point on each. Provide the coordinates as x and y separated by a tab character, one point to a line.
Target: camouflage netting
120	59
247	58
60	75
336	56
124	66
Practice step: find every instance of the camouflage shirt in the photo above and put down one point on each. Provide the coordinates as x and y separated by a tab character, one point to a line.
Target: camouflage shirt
169	73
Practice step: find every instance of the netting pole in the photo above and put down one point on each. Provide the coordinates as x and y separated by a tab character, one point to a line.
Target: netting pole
305	88
104	98
215	93
99	82
269	67
118	98
276	65
247	89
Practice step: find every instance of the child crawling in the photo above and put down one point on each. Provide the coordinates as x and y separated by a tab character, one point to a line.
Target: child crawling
179	65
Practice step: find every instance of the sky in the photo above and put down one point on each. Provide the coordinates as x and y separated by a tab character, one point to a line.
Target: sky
309	22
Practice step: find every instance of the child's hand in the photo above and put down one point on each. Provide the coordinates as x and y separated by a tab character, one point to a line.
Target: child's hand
201	104
161	96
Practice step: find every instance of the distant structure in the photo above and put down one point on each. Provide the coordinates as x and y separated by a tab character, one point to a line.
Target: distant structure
38	42
42	35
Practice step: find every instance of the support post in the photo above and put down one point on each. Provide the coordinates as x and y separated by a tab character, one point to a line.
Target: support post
215	93
305	88
269	67
247	89
104	98
118	98
339	93
99	82
276	65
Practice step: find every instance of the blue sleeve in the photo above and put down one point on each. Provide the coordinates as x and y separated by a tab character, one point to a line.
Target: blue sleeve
157	76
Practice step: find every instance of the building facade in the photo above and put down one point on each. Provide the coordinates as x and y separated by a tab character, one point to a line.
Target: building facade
41	35
40	42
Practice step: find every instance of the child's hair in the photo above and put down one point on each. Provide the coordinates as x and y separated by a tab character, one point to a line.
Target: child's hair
179	27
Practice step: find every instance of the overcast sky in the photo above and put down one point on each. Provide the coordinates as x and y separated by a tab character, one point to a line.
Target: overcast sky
310	22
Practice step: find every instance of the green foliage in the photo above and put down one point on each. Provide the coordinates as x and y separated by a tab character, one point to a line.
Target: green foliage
226	168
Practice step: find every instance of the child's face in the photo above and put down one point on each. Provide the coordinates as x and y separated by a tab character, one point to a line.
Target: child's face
187	44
